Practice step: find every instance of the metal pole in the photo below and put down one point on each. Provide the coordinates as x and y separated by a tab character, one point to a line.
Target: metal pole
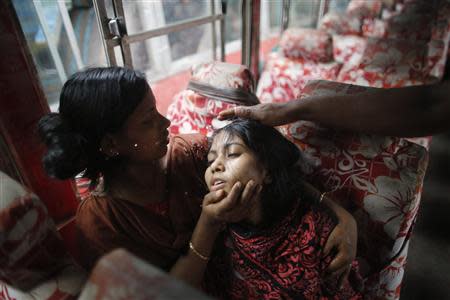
51	42
70	33
285	15
222	30
213	28
124	48
102	21
255	11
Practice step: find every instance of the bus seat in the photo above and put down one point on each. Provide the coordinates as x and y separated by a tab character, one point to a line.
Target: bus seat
213	87
412	20
305	54
377	178
389	63
33	262
340	24
362	9
119	274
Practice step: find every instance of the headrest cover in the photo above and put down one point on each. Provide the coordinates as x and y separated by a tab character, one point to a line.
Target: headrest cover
225	82
307	44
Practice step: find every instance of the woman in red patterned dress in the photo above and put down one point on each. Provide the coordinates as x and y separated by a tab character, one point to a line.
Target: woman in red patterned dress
277	252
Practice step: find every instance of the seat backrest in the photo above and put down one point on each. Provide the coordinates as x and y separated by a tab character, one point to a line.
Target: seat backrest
31	249
120	274
213	87
377	178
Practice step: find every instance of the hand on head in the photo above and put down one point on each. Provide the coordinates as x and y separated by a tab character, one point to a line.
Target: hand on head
270	114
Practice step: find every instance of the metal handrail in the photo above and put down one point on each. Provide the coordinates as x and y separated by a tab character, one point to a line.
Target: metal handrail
179	26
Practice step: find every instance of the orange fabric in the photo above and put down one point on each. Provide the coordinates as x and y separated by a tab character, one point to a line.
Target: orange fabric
107	223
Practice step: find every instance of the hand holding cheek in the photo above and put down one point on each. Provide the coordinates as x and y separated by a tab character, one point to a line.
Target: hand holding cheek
236	206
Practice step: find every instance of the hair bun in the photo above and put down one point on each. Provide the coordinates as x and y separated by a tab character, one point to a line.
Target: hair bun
65	156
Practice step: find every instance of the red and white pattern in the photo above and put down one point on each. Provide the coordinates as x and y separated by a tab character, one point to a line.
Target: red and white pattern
364	8
32	250
334	23
436	58
66	285
283	79
378	179
348	48
191	112
121	275
194	113
407	27
307	44
388	63
224	75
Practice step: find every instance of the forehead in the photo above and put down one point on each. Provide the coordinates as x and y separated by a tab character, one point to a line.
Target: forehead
224	138
147	104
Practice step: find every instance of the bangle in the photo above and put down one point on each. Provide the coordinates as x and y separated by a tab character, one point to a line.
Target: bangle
203	257
322	196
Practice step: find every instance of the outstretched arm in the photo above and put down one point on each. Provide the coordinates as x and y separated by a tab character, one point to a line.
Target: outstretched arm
408	111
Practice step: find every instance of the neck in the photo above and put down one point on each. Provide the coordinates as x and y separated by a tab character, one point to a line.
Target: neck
140	183
256	215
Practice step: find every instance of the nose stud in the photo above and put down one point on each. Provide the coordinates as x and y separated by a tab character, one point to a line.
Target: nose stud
135	145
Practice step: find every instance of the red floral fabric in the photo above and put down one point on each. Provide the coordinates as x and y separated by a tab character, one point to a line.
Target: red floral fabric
307	44
389	63
65	285
364	8
285	261
403	26
441	32
283	79
348	49
31	249
121	275
378	179
30	246
191	112
335	23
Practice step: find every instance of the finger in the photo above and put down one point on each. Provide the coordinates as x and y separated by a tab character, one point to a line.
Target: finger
226	114
339	263
247	200
214	197
248	193
330	244
238	111
232	199
343	277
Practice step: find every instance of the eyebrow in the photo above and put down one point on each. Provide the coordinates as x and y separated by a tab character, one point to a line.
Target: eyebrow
227	145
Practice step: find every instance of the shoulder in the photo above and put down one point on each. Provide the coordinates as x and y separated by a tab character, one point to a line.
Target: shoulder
93	213
189	147
189	142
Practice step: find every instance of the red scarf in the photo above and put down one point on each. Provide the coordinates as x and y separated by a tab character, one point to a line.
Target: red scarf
283	262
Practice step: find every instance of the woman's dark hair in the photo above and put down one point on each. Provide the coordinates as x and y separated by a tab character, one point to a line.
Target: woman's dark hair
92	103
279	156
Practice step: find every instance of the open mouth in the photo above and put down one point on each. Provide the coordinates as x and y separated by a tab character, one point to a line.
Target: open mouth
218	184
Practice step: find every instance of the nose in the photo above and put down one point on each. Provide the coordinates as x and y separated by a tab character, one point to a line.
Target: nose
165	122
217	165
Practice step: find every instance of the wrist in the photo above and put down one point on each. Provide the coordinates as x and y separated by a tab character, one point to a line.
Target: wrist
210	224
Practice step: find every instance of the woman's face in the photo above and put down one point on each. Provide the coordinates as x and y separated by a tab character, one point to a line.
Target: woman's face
144	136
230	160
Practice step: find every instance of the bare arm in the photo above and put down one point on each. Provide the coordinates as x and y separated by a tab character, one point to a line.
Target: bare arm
409	111
217	208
